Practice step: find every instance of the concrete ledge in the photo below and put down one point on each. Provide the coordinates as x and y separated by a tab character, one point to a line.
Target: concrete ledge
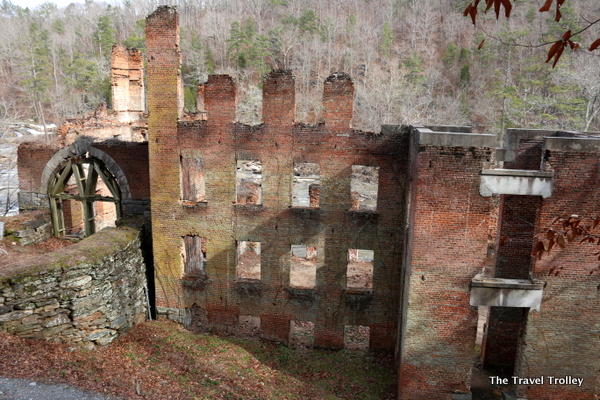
517	172
451	139
517	182
500	292
572	144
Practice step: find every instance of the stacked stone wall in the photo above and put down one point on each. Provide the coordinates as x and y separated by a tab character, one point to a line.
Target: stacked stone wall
86	294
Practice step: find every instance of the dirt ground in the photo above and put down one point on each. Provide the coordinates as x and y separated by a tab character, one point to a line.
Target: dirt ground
248	266
360	275
303	273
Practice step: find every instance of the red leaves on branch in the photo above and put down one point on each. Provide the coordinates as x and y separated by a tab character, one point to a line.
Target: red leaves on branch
572	227
471	9
548	4
557	48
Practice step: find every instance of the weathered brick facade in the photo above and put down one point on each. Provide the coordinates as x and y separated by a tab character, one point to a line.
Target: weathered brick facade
331	228
453	218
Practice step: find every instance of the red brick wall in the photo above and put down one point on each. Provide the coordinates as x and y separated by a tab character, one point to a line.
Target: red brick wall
132	158
450	246
331	228
561	339
32	157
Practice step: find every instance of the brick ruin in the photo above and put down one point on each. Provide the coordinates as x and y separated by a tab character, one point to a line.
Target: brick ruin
126	120
409	237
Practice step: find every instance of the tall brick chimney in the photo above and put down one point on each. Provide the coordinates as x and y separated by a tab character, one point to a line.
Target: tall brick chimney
338	101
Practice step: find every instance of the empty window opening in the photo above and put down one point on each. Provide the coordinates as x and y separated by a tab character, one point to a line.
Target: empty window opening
360	269
248	260
303	266
306	185
356	337
194	255
302	334
248	181
364	183
483	312
192	180
248	325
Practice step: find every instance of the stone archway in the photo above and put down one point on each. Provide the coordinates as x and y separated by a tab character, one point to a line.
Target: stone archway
85	175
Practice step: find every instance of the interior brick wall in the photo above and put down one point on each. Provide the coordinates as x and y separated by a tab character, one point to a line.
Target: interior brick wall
560	339
449	247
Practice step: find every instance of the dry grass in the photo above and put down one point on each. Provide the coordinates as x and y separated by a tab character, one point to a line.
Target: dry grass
161	360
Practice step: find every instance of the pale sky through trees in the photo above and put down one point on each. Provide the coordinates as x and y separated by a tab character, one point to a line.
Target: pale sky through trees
35	3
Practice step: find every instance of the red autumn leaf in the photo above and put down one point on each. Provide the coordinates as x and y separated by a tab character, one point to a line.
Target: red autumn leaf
595	45
550	234
481	45
538	250
558	54
551	54
550	245
507	8
567	35
489	4
546	6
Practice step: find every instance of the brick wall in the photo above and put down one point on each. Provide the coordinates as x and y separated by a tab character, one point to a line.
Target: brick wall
331	228
560	339
449	247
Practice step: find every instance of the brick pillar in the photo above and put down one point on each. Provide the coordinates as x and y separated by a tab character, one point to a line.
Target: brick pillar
338	101
127	79
279	98
449	247
164	99
220	101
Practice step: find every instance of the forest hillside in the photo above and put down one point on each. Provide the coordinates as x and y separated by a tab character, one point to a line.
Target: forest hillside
413	61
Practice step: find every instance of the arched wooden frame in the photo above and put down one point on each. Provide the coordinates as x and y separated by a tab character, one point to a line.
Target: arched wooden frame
86	188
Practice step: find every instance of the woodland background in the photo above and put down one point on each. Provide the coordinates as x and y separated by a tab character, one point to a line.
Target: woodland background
412	61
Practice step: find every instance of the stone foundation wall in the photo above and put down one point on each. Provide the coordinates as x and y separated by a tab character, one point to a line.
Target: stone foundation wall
86	294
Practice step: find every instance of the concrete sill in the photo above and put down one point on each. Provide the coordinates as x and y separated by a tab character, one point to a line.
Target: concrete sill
500	292
194	204
248	287
360	291
517	172
365	213
301	294
516	182
502	283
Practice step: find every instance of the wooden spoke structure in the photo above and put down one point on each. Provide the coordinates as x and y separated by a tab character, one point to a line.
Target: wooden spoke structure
86	180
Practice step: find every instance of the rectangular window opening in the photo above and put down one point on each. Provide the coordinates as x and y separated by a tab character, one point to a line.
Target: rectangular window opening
360	269
192	180
194	254
248	326
302	334
248	260
356	337
248	180
364	183
306	185
303	267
